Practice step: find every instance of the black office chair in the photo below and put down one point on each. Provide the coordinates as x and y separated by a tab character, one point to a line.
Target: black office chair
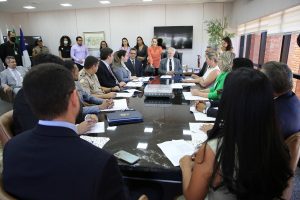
177	55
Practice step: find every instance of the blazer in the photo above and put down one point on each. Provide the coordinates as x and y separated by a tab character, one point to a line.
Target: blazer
137	69
50	162
121	73
8	79
105	78
163	66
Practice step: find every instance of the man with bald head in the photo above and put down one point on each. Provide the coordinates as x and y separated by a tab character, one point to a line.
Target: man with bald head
170	65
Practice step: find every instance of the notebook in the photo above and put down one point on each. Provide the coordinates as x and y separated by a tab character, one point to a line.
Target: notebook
124	117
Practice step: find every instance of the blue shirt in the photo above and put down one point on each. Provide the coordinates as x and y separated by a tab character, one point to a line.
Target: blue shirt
59	124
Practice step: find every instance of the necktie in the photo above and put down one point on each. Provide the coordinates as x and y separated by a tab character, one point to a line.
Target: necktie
133	64
117	82
170	65
18	78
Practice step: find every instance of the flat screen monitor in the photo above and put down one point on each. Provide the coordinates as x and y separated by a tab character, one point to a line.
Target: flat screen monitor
179	37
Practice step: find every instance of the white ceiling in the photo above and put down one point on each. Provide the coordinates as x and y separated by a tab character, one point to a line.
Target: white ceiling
15	6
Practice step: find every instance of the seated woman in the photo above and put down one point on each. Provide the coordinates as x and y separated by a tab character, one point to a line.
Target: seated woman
211	73
244	156
214	93
119	68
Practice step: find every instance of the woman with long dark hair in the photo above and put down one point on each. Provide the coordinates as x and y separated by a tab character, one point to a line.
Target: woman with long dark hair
226	44
244	157
142	49
125	46
64	48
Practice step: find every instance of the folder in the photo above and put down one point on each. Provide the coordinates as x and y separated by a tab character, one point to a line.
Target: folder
124	117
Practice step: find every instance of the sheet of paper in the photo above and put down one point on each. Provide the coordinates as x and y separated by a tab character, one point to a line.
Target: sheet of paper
124	94
176	86
97	128
176	149
166	76
203	117
119	104
132	90
190	97
198	136
188	84
97	141
134	84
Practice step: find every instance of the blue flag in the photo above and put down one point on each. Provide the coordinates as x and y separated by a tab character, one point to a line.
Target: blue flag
25	56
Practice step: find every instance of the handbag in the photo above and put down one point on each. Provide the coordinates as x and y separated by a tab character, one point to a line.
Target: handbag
149	69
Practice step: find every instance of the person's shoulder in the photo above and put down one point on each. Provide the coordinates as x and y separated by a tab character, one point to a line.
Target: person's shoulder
19	139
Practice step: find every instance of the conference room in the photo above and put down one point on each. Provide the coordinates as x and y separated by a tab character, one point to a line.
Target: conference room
150	99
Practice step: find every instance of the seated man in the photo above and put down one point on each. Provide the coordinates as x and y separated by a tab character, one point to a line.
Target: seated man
12	77
84	96
133	64
52	159
90	83
170	65
105	74
286	102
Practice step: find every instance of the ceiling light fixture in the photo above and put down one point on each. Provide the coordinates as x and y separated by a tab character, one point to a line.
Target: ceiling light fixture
3	0
147	0
29	7
105	2
66	4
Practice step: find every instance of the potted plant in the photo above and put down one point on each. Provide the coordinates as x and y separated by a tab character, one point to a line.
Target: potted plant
217	30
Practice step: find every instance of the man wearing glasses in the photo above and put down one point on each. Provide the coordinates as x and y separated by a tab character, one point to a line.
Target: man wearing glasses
133	64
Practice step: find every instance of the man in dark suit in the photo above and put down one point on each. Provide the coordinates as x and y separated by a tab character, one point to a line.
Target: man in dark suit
170	65
133	64
51	161
105	74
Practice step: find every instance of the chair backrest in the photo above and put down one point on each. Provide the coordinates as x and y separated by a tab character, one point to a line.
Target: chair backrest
177	55
293	143
6	122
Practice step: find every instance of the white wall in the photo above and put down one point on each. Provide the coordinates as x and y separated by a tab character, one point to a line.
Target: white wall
119	22
5	20
247	10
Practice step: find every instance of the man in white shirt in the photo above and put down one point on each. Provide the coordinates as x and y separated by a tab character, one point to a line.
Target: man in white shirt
170	65
79	52
12	77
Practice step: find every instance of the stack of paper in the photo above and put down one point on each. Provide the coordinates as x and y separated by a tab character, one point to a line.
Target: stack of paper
198	136
176	86
188	84
97	128
176	149
166	76
134	84
124	94
190	97
119	104
199	116
97	141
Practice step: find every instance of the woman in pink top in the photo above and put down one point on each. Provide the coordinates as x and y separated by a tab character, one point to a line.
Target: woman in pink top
154	55
125	46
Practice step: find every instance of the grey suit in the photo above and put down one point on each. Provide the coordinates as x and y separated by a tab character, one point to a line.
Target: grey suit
121	73
8	79
164	63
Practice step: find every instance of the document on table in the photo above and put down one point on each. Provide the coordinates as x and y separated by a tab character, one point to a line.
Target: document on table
134	84
166	76
176	86
203	117
190	97
176	149
188	84
124	94
119	104
97	141
198	136
132	90
97	128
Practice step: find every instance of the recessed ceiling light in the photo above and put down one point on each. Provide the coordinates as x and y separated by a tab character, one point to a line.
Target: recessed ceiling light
3	0
66	4
105	2
29	7
146	0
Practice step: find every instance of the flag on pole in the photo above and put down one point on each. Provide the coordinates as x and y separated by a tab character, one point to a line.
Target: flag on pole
24	53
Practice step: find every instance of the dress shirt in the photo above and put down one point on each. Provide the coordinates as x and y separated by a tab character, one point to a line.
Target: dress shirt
59	124
17	76
79	53
168	62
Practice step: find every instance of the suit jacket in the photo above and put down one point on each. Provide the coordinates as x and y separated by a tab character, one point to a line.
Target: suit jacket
163	66
121	73
137	69
51	162
8	79
105	78
23	117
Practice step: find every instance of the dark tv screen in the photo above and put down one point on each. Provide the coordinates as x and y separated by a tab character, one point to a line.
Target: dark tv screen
179	37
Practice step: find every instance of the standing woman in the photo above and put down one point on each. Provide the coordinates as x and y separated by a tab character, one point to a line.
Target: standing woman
154	55
142	51
103	44
125	46
226	44
65	48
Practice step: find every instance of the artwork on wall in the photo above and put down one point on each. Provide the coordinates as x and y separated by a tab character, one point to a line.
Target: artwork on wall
92	39
179	37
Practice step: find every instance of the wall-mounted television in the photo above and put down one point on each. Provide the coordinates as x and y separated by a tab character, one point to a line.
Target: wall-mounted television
179	37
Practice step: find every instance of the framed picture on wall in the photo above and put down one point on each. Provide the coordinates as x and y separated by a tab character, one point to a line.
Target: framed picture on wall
92	39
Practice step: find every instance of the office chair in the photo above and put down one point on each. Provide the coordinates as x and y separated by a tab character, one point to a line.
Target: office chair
293	143
6	122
